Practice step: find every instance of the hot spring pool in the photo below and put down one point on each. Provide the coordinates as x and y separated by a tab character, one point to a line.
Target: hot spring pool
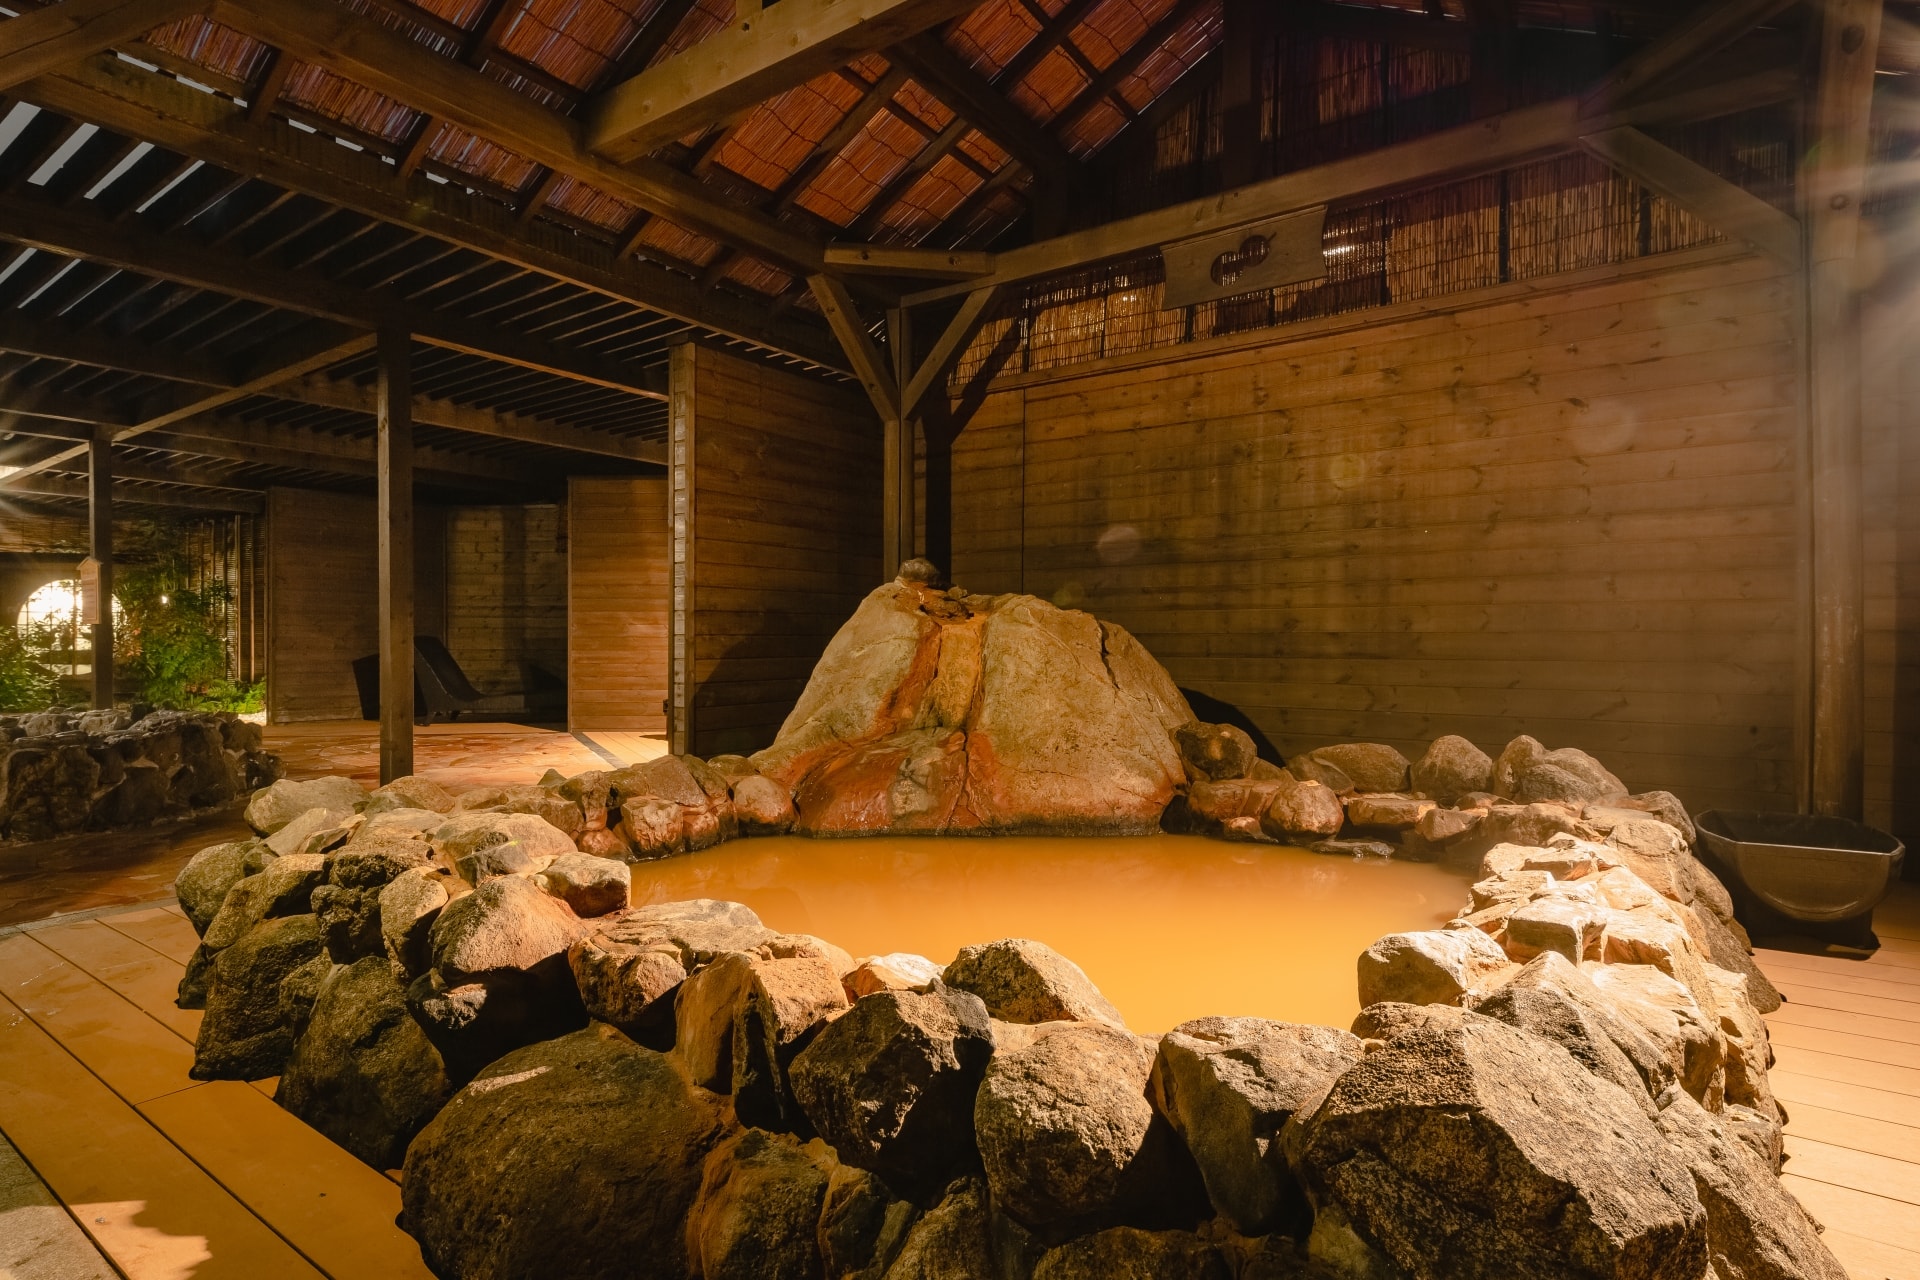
1168	927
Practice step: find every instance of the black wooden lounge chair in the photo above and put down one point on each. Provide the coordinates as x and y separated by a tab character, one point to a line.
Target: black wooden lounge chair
441	690
447	692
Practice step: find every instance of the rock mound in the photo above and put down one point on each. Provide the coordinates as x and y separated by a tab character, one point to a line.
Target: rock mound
934	711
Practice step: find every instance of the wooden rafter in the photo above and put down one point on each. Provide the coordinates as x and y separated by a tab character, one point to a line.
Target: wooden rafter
1720	203
1109	80
51	341
209	129
757	58
132	247
969	94
140	495
45	40
271	367
387	62
1471	148
870	365
1706	31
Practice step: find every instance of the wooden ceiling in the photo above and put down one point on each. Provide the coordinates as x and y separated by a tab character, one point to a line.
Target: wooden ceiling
207	207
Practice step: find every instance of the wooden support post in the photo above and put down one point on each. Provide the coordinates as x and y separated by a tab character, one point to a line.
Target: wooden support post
1834	184
1243	47
394	450
897	451
100	551
683	363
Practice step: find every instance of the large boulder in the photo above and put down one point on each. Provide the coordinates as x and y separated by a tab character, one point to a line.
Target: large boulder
573	1159
506	923
1756	1230
1372	766
862	1224
203	883
758	1212
245	1035
1554	1000
629	967
1302	812
1452	767
1529	773
1068	1136
410	792
951	1241
1129	1253
1214	752
409	905
486	844
274	806
283	887
890	1084
1464	1147
1431	966
591	886
363	1072
1228	1086
500	977
741	1020
1021	980
939	711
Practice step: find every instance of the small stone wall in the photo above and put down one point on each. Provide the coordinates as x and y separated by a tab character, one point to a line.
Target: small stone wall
62	773
1564	1080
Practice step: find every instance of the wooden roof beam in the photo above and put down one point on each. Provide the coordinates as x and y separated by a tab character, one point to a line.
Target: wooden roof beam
872	366
55	342
292	358
969	94
1721	204
1478	147
387	62
124	98
764	53
133	247
126	494
1708	30
1130	61
339	393
59	35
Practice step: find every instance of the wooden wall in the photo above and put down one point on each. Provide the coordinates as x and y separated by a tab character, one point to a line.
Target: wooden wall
616	607
1565	509
506	592
1891	412
322	599
776	503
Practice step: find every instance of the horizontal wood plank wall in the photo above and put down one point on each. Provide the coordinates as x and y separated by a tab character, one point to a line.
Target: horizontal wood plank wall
616	609
1891	412
322	602
785	539
1568	513
506	595
322	599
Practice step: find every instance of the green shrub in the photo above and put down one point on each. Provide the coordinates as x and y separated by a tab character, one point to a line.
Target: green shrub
26	683
170	643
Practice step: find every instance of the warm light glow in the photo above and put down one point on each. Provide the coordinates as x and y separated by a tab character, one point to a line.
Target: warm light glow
52	615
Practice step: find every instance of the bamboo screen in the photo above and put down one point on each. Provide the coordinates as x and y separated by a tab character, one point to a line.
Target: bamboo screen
1562	214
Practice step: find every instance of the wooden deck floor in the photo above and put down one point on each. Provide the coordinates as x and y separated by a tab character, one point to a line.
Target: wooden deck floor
1847	1066
174	1179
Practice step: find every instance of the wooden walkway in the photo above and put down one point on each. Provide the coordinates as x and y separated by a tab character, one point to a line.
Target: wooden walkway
1847	1067
170	1178
174	1179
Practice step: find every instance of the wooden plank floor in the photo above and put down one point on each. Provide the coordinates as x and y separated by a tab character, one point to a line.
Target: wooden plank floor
1847	1050
170	1177
627	748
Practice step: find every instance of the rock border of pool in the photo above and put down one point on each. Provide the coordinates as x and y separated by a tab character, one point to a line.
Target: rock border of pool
1569	1078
